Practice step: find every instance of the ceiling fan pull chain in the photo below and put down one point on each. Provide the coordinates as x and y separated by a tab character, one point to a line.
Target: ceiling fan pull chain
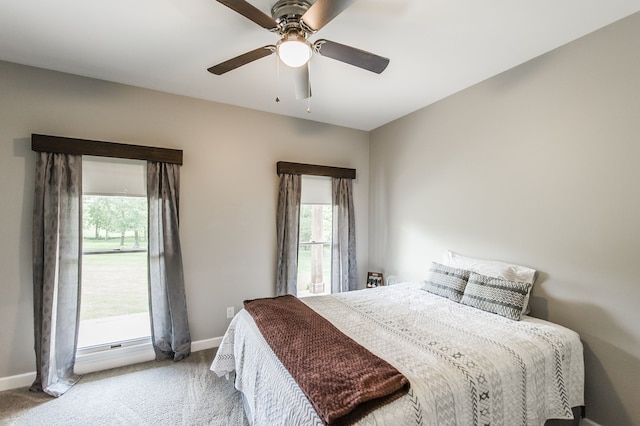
277	79
309	88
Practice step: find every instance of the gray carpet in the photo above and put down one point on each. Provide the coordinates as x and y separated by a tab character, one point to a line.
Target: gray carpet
151	393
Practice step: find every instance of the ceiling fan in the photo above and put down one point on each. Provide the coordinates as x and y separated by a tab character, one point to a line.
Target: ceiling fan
294	21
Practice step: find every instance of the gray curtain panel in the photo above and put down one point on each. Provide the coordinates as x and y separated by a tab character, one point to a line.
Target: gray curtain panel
167	299
56	270
344	268
288	229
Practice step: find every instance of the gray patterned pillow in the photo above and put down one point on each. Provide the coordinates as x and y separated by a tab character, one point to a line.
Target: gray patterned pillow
495	295
446	281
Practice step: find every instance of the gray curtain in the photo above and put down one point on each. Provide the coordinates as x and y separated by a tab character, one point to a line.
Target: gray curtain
56	270
288	229
344	269
167	299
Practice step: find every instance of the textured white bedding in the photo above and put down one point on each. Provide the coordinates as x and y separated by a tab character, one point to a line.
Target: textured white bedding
465	366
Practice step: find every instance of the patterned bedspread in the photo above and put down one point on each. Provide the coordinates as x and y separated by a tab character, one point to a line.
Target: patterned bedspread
466	366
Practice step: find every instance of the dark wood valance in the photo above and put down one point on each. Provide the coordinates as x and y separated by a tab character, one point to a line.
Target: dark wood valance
62	145
314	170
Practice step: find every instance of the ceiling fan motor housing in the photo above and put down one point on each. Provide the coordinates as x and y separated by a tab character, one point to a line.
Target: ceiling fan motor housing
287	14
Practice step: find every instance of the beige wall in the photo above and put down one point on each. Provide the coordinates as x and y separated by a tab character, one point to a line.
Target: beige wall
229	187
537	166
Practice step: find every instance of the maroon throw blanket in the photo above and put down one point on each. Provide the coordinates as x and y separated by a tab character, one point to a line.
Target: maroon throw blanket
342	380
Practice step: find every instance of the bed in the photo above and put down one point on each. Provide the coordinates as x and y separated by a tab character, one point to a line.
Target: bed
465	366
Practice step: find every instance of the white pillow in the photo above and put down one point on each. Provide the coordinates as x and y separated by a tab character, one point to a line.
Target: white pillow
491	268
495	269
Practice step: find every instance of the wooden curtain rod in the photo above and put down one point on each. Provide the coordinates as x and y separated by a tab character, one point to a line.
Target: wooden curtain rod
62	145
311	169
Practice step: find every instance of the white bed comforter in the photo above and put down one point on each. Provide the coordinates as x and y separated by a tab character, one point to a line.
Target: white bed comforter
466	366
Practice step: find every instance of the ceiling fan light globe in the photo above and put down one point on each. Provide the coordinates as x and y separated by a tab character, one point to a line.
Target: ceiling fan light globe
294	53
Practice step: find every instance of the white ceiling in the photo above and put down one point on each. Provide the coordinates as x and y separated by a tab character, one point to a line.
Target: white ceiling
436	47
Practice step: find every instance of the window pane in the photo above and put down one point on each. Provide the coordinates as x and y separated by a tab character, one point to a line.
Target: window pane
314	250
114	285
114	297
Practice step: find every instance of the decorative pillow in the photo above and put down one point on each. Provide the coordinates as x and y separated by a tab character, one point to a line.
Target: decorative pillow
446	281
502	297
493	268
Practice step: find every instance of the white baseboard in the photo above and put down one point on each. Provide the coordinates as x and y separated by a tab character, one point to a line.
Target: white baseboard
17	381
103	360
201	345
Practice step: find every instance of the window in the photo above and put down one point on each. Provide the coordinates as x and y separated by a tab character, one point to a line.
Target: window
294	181
314	246
114	304
113	178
